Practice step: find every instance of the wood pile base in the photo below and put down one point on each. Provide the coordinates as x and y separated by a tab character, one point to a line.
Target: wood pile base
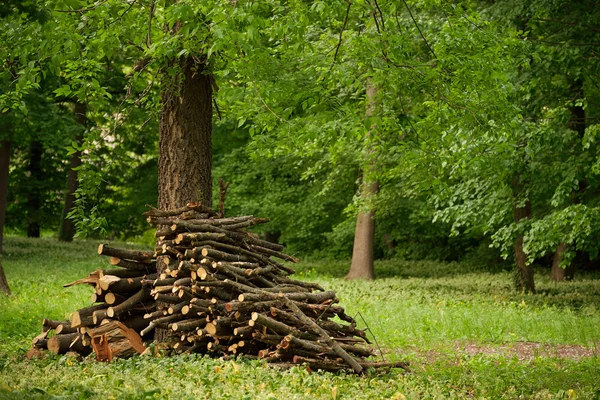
210	287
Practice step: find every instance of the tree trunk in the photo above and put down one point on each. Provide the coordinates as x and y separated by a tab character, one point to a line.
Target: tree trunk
34	200
558	273
4	164
66	230
364	237
185	144
525	280
576	123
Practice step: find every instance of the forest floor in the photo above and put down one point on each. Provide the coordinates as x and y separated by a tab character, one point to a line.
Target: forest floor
466	333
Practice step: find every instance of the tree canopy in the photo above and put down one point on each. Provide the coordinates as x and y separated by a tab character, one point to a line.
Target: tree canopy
482	133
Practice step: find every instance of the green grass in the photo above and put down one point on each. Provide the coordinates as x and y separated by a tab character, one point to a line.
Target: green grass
423	312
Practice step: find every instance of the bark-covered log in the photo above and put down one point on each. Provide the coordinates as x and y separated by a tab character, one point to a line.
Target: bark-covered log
60	344
136	255
115	340
83	317
140	297
147	267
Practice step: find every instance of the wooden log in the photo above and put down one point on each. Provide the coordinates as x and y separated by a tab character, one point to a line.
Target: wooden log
316	328
308	297
189	207
142	295
64	328
162	322
287	288
123	273
51	324
246	307
221	255
198	236
147	267
278	327
155	314
324	336
246	224
111	298
41	341
176	308
274	253
143	256
243	331
286	280
114	340
192	309
91	279
60	344
188	325
128	285
240	237
83	317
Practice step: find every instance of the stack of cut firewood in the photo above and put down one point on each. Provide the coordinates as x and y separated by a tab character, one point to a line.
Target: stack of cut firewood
211	287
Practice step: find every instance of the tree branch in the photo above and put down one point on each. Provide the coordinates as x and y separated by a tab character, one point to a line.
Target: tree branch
419	29
337	49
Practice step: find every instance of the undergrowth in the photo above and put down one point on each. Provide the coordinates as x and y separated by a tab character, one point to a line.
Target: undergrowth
423	312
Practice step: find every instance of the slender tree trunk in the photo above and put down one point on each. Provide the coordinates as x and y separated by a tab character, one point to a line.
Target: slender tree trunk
3	282
185	143
525	278
576	123
34	199
364	238
66	231
559	273
4	164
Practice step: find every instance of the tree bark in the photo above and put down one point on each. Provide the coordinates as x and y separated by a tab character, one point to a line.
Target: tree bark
67	228
34	202
364	237
185	143
525	278
4	165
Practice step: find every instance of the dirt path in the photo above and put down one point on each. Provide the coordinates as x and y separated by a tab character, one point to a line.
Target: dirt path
528	350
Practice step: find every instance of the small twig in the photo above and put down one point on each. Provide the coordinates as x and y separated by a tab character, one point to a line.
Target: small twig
222	192
419	29
380	15
123	14
372	334
148	35
217	108
266	105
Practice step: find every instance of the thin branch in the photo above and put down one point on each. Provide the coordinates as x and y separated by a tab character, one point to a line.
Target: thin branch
217	108
82	10
337	49
123	14
266	105
150	15
380	15
419	29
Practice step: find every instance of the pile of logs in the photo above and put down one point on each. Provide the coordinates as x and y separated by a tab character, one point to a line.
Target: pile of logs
210	287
